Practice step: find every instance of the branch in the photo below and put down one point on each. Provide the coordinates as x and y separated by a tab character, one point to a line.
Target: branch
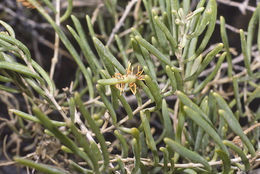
121	21
242	6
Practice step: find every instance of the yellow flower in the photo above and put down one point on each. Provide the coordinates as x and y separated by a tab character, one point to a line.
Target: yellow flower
132	78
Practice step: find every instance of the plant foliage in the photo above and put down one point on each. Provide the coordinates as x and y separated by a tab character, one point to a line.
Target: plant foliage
171	115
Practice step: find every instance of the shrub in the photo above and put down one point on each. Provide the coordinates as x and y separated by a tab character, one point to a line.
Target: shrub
150	100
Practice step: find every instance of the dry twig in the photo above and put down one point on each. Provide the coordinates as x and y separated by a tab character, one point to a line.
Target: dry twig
121	21
242	6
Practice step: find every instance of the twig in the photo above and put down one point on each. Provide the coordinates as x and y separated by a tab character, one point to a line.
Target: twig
237	139
6	163
137	7
95	13
27	21
129	30
227	79
231	28
83	128
51	45
4	149
57	41
175	116
126	117
242	6
149	162
121	21
80	3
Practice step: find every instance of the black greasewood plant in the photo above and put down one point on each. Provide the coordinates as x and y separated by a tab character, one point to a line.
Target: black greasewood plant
180	119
